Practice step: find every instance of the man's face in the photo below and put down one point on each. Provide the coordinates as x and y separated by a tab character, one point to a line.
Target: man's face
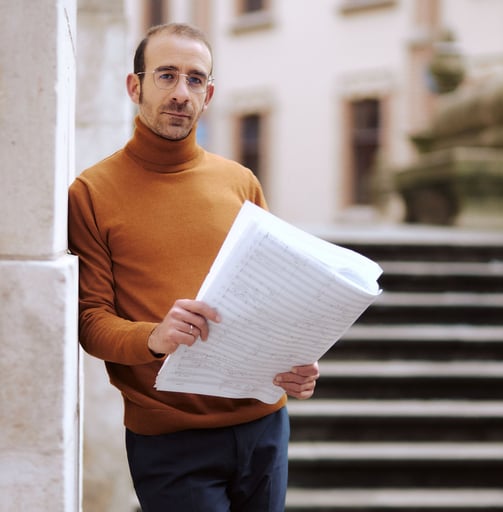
172	113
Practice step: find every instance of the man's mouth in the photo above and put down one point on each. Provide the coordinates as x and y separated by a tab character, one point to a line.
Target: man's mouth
176	114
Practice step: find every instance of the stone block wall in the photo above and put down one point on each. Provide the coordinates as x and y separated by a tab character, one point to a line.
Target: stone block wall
39	391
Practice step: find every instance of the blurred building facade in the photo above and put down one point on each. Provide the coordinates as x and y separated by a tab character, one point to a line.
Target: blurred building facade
312	96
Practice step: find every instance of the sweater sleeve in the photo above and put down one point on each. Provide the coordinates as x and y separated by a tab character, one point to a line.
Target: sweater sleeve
102	333
258	194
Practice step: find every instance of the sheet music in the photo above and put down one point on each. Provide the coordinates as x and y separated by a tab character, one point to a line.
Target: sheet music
282	304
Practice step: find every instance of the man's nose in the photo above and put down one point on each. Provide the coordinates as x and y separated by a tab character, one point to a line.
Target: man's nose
181	92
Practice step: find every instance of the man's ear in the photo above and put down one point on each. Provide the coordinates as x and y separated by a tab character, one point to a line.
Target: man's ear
133	87
209	94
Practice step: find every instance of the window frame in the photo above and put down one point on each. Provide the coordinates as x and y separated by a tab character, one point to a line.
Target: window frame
246	20
262	144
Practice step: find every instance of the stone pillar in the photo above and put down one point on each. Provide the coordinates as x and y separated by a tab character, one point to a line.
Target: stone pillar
39	388
104	124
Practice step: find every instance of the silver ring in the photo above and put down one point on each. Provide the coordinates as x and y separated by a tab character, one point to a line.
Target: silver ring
191	329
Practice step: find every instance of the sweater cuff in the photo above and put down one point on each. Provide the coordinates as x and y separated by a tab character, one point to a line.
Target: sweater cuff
143	353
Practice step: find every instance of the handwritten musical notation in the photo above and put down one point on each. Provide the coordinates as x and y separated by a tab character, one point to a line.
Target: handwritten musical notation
285	297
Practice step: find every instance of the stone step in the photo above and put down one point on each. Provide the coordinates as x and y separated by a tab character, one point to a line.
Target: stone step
442	308
364	499
416	341
395	420
408	411
400	464
444	268
426	333
416	242
412	369
442	300
393	379
422	276
395	408
333	451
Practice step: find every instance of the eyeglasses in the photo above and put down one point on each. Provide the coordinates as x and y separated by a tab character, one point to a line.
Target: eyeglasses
167	78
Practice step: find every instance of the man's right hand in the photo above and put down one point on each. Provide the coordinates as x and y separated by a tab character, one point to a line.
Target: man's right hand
184	323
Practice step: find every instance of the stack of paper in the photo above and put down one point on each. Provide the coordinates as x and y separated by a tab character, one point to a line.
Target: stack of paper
285	297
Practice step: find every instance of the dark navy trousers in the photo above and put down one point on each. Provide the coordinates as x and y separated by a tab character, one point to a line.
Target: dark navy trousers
243	468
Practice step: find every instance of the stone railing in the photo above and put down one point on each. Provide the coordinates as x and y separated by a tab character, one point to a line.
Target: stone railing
458	174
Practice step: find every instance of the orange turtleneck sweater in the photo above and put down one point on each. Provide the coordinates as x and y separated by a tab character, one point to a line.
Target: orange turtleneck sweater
146	224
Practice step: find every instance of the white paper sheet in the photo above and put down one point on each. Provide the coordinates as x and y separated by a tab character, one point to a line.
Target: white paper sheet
285	297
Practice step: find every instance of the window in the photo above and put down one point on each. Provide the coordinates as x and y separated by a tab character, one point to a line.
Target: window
251	136
156	12
252	15
350	6
252	5
366	121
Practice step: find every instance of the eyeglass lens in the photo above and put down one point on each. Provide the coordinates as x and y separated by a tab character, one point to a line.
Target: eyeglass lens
168	78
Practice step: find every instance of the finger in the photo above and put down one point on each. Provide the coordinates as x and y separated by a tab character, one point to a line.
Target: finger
308	370
305	394
295	378
187	333
300	391
197	314
196	326
200	308
193	331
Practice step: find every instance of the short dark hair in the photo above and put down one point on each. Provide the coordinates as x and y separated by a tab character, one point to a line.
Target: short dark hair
178	29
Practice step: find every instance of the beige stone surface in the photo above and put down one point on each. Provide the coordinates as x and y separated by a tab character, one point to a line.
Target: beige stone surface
107	484
39	445
104	124
104	112
39	387
36	107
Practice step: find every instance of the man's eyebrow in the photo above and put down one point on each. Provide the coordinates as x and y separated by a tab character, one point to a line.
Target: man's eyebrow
198	72
176	68
166	68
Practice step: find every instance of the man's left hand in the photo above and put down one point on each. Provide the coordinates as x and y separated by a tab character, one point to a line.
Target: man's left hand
300	381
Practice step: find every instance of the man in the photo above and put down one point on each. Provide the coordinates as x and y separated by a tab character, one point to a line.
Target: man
147	223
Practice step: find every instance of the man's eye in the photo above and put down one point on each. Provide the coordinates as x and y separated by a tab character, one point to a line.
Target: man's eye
195	80
165	76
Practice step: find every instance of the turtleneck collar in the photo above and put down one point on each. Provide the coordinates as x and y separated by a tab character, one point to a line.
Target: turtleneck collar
155	153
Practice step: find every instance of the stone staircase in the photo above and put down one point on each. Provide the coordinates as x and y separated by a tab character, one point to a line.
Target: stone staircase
408	411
